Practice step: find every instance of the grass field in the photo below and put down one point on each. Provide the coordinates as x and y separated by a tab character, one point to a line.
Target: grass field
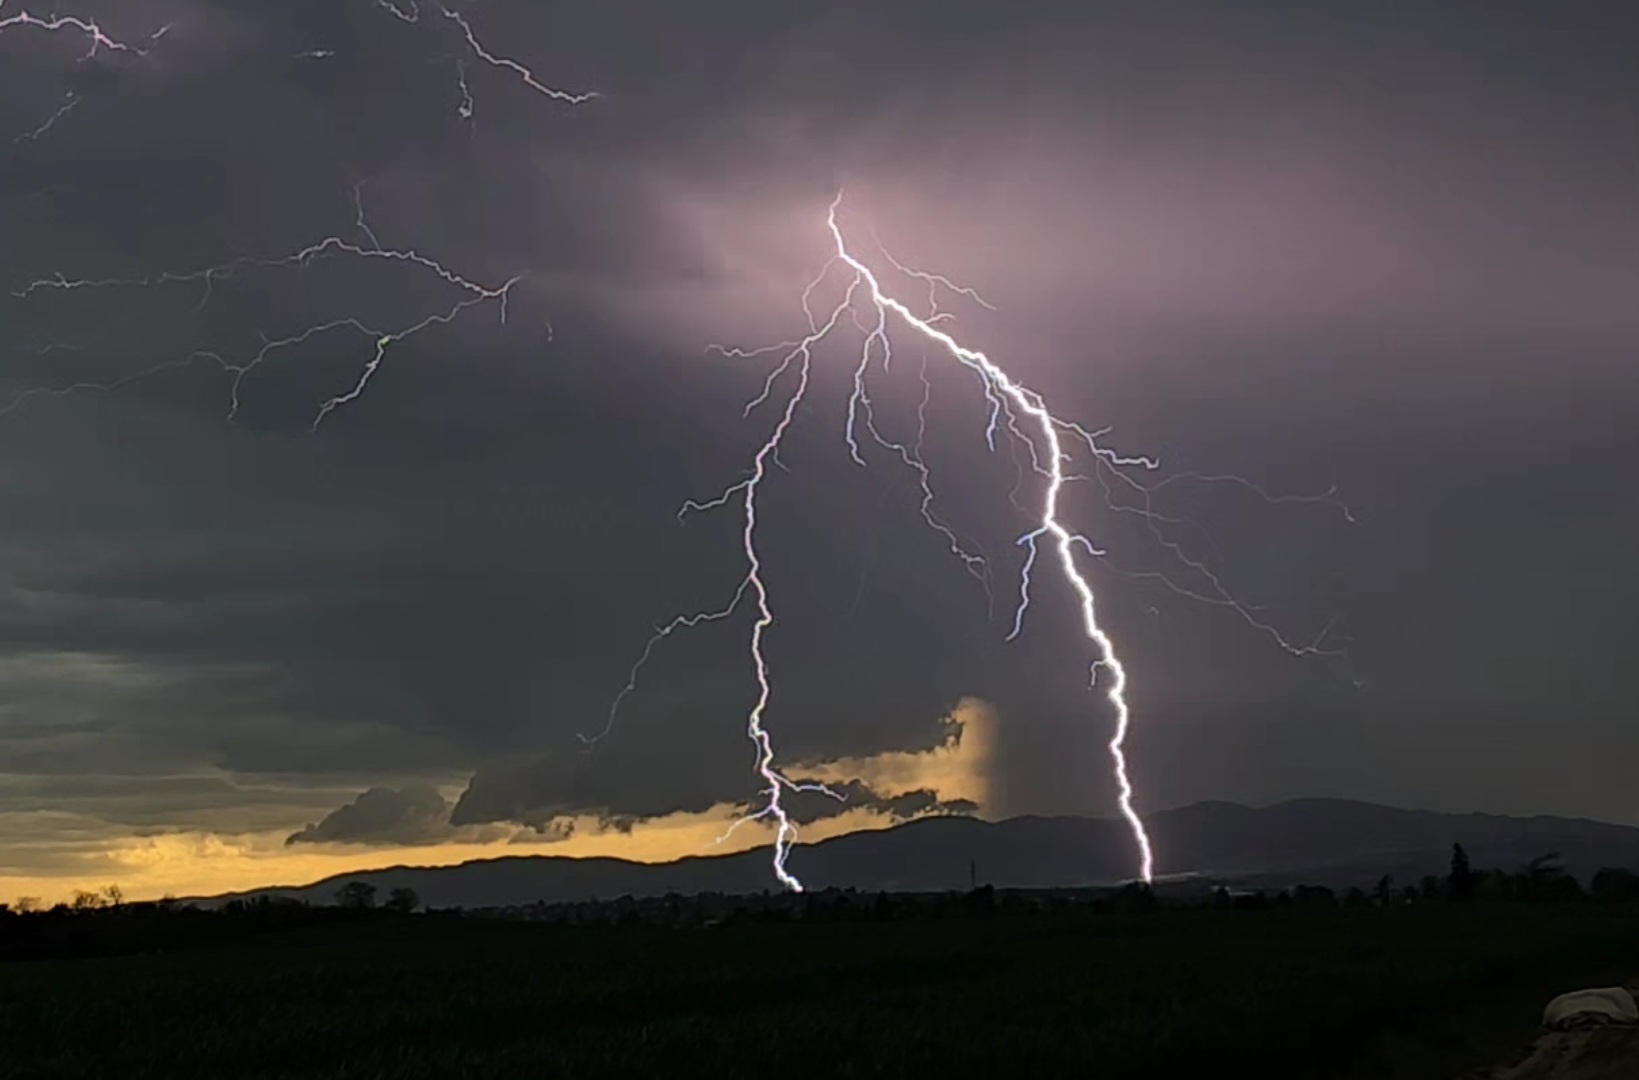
1284	993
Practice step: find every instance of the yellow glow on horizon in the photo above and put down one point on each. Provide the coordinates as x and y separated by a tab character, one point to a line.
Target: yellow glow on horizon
198	863
206	864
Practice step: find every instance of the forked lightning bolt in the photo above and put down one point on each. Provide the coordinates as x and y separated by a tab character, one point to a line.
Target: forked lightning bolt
1007	397
1021	413
1025	416
1051	458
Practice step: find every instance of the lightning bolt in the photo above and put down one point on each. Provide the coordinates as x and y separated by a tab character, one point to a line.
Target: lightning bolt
70	102
72	24
1008	398
97	40
797	363
329	247
1051	460
1012	407
410	12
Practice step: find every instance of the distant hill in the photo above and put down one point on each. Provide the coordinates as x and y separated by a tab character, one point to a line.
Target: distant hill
1320	841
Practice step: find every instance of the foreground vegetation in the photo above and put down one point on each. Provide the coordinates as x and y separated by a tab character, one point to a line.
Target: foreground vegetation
1287	990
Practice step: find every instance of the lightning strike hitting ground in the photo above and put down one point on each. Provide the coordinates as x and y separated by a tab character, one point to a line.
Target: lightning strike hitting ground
1006	396
1026	417
1031	404
1013	408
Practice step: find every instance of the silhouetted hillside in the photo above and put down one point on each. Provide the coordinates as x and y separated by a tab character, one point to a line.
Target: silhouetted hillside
1320	841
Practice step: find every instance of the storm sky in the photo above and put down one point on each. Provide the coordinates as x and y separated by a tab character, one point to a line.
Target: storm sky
1387	251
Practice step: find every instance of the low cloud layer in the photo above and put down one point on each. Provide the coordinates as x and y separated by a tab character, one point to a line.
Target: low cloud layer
412	815
549	801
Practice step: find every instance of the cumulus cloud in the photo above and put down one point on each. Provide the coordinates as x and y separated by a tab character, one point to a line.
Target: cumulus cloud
957	770
414	814
558	797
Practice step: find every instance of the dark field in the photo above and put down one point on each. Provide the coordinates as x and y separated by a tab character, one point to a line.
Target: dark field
1277	993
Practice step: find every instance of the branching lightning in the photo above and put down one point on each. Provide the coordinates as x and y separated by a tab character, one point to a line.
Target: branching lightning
1026	416
209	277
97	40
88	28
409	11
329	247
1014	410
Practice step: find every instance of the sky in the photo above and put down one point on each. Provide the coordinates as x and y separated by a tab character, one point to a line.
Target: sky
1358	277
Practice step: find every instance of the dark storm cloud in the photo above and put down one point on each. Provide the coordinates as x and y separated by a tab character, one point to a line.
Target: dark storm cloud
543	793
895	807
1391	248
417	814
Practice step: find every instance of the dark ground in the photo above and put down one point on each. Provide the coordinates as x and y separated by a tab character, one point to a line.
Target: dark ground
1419	990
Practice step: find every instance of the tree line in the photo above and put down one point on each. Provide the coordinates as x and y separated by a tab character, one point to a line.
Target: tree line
104	922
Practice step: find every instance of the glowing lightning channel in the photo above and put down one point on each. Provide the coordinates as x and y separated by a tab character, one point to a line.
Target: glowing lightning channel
329	247
69	23
1008	399
98	40
410	12
800	356
1030	403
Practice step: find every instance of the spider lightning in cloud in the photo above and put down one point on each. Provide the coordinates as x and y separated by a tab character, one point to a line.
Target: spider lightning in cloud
209	277
98	41
331	246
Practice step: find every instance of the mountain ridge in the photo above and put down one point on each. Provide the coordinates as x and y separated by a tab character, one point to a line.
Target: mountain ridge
1337	842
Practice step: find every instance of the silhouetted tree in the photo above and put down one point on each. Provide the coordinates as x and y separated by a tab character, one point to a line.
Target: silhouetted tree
1356	897
27	904
1383	892
86	901
114	895
403	900
1614	883
1429	887
1545	879
357	896
1463	882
